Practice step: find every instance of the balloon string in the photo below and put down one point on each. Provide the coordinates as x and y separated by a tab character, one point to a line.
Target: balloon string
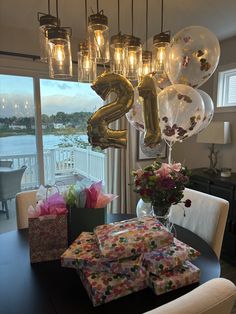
169	144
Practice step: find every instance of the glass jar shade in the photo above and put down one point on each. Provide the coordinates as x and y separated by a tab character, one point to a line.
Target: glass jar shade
133	60
146	63
87	69
117	54
158	56
99	50
46	21
60	62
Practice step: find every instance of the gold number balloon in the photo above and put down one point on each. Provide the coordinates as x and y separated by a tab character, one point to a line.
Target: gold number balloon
98	132
148	91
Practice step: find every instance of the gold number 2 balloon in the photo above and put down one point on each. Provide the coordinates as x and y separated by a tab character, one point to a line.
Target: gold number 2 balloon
147	90
98	132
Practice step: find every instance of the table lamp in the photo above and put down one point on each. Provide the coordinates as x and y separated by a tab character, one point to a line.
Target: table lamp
218	132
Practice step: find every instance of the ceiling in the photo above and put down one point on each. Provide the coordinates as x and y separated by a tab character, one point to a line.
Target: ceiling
217	15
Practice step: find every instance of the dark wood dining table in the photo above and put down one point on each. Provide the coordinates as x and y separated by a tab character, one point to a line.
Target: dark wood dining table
46	288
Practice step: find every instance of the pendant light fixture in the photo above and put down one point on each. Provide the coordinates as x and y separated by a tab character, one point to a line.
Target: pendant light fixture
117	48
160	42
98	33
146	55
46	21
87	68
60	61
133	53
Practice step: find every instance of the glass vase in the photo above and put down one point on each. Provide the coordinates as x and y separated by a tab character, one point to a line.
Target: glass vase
162	213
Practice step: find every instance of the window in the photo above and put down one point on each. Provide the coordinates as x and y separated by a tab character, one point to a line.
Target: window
226	91
50	138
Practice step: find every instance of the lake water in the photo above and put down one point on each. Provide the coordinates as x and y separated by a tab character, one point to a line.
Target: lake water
26	144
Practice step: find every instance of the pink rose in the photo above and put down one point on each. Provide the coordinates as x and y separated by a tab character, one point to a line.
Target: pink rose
139	172
176	167
164	170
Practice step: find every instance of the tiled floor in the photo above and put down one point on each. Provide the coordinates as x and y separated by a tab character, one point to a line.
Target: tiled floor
227	270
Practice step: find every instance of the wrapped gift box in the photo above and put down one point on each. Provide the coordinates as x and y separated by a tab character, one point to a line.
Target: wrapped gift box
132	237
84	253
173	279
169	257
104	287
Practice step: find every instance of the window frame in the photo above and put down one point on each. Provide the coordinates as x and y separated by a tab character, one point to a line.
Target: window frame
221	78
36	70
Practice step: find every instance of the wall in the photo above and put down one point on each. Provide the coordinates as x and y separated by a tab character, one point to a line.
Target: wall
195	155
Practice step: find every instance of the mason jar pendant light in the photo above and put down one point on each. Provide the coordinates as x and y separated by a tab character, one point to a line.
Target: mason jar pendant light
87	68
46	21
146	55
117	48
132	54
160	42
60	61
98	33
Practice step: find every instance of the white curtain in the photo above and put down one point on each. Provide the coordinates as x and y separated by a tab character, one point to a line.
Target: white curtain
120	163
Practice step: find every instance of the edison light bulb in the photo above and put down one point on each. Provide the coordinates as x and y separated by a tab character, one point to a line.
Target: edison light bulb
160	58
59	53
86	64
132	59
99	37
118	55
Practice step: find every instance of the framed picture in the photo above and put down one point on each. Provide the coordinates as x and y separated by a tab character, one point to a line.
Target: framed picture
145	153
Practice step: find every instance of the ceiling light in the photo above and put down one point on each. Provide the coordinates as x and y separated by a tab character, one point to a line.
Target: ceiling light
98	34
60	61
87	68
160	42
46	21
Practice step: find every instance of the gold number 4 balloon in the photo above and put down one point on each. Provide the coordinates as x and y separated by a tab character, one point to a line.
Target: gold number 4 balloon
99	134
148	91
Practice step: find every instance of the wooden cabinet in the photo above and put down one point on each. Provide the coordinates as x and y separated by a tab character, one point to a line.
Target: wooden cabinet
225	188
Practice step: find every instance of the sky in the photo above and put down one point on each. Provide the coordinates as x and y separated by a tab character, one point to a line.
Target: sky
16	96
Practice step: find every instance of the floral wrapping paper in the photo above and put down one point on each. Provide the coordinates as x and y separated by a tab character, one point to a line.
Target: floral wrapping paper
173	279
84	253
132	237
166	258
104	287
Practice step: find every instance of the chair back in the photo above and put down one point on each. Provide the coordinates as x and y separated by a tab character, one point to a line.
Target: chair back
10	183
23	201
216	296
206	217
6	163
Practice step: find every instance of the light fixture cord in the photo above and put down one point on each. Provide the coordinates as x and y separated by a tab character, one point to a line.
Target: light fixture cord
132	16
49	11
146	22
86	16
97	6
57	12
118	4
162	13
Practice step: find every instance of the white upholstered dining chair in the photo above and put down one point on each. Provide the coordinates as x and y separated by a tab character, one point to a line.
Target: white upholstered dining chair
23	201
216	296
206	217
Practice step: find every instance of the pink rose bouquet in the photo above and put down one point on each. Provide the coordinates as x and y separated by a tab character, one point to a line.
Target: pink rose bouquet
162	184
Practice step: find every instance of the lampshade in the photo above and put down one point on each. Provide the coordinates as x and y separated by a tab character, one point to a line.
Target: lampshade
46	21
218	132
60	62
146	62
160	42
98	34
87	68
117	54
133	57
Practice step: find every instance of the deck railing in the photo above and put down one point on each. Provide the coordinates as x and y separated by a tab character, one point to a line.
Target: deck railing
61	162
